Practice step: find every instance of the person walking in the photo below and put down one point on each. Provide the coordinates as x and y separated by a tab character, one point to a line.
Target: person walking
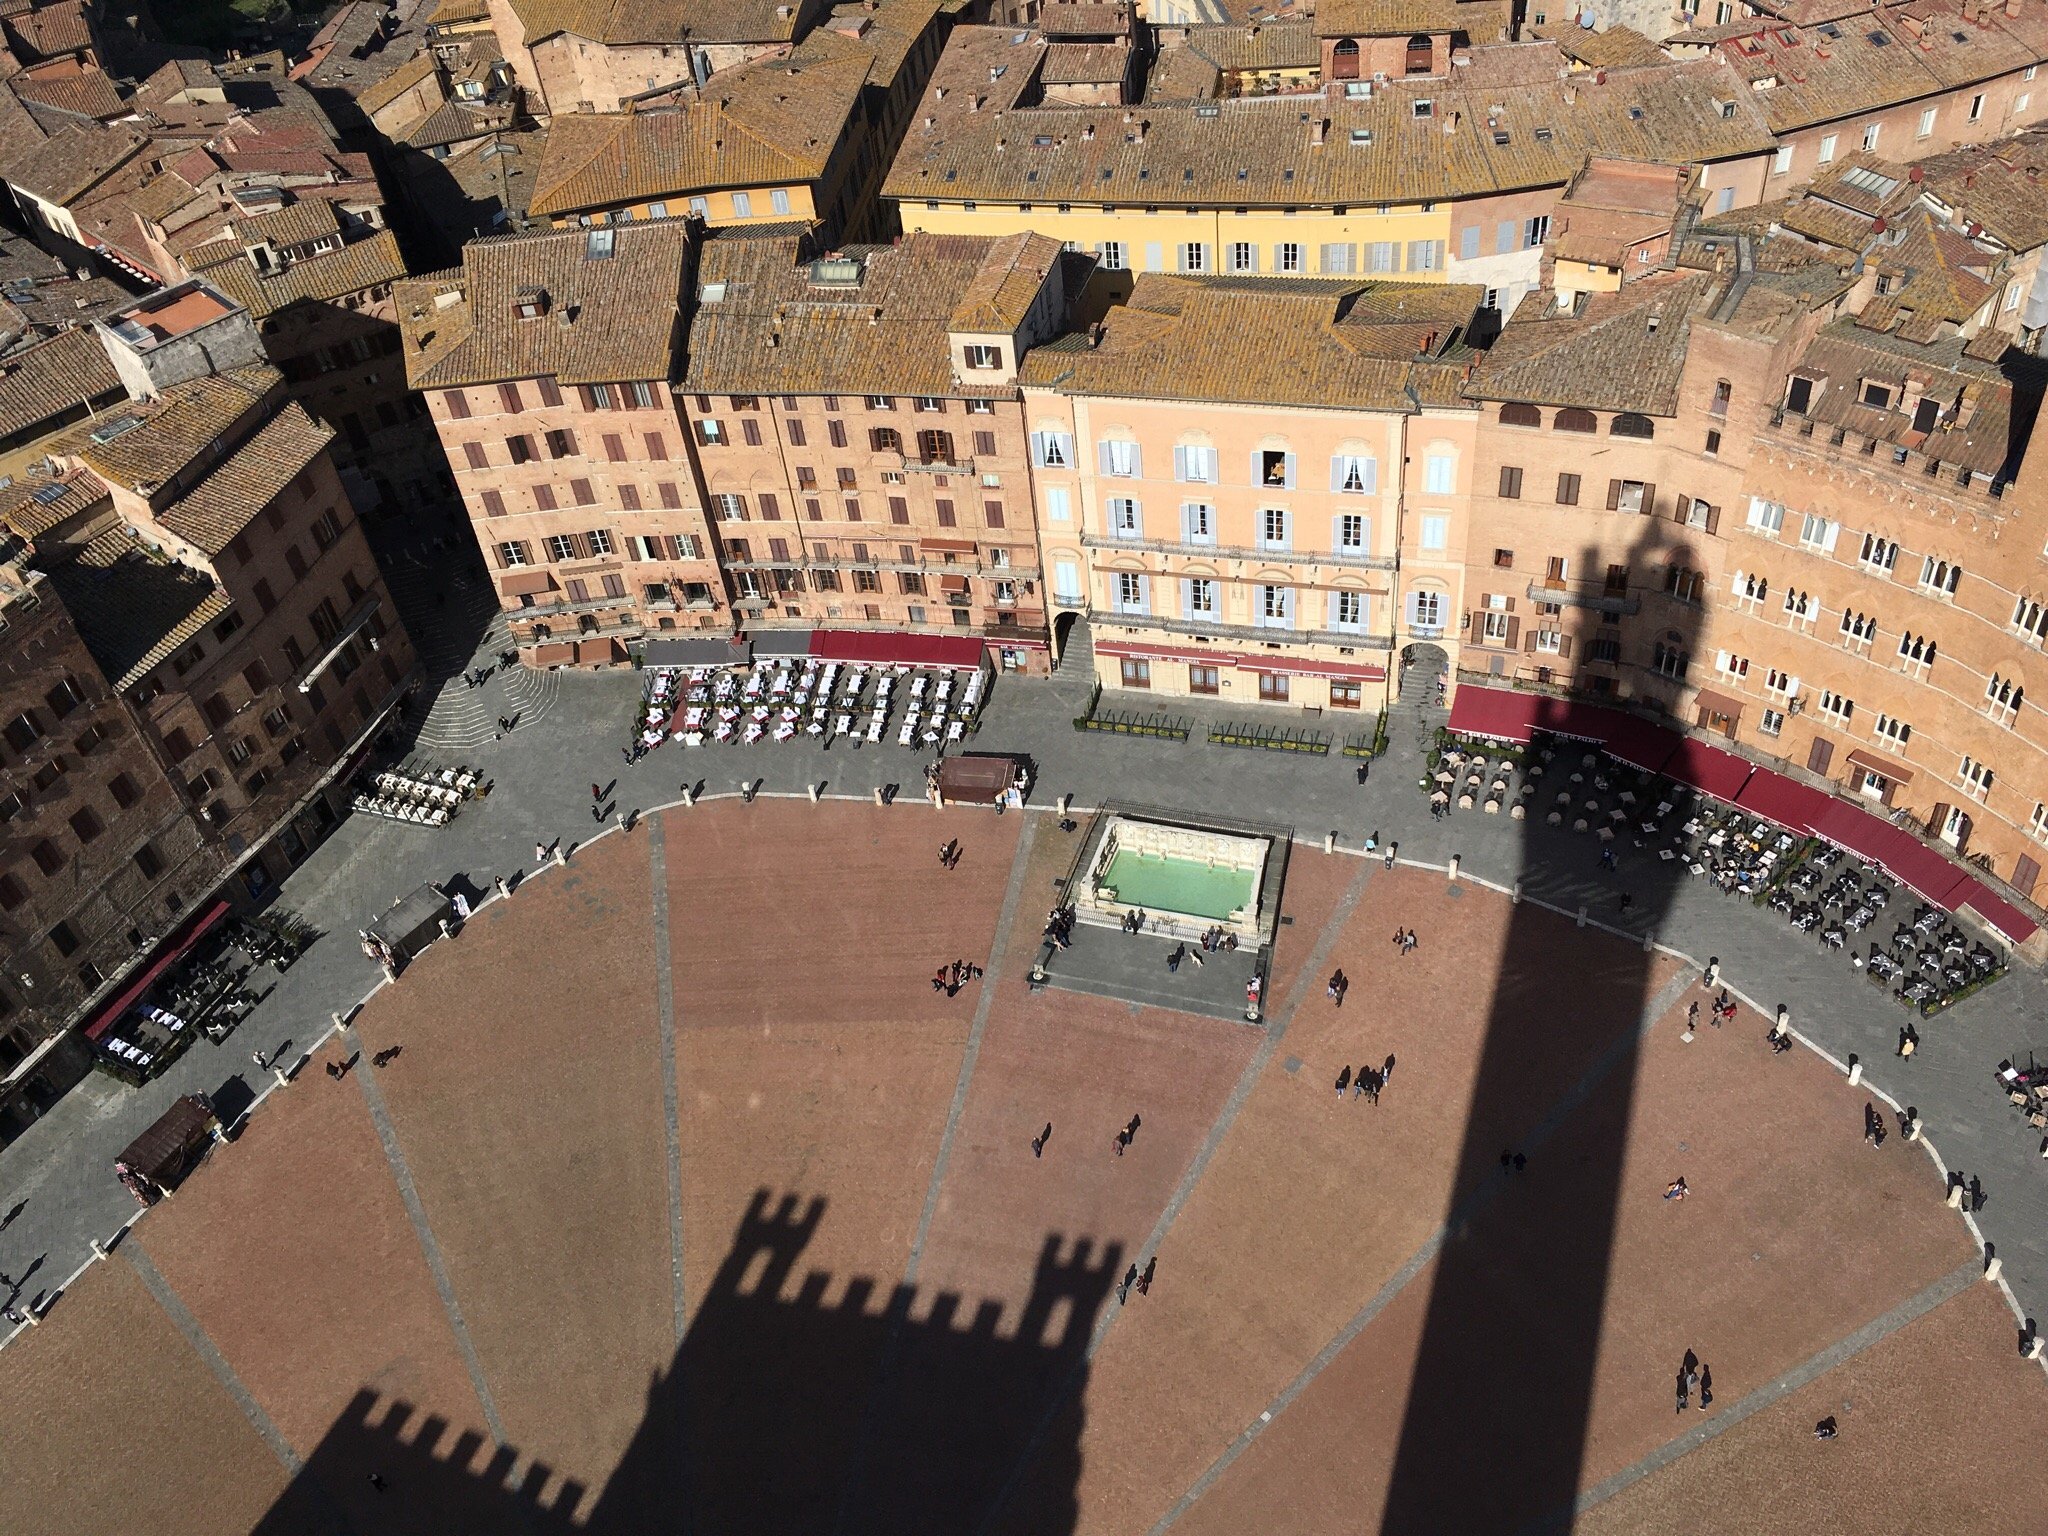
1676	1189
1123	1139
596	792
1684	1389
1344	1080
1038	1142
1387	1072
540	853
1145	1276
1706	1386
1123	1291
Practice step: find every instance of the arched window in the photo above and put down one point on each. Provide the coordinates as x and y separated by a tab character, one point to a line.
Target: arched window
1344	58
1629	424
1572	419
1421	55
1517	414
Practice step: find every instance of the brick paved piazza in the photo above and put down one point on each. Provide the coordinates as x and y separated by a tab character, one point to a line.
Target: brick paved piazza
688	1204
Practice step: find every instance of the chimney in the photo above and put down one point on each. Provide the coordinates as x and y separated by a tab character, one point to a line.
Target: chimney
1320	133
1571	93
1916	175
1879	225
1138	130
1653	322
1451	121
1087	132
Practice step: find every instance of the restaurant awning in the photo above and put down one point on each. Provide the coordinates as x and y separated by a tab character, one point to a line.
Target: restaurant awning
1498	714
1708	769
781	642
882	648
1718	703
589	652
1856	830
1883	767
1149	652
166	957
1569	717
526	583
1304	666
553	654
1784	801
1640	744
698	652
2000	913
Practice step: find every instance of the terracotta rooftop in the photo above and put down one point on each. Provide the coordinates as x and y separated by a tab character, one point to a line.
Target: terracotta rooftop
1617	352
1613	206
610	299
653	21
134	609
61	168
1974	429
1840	68
1483	22
354	268
1999	187
760	124
1085	18
1613	48
158	439
50	32
1316	342
45	380
969	139
875	322
33	507
1086	63
89	95
1287	44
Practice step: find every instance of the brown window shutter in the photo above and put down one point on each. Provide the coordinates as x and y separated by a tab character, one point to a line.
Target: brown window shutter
1713	519
1650	499
1514	632
614	447
1529	642
457	403
1819	755
1475	621
1963	842
1681	508
1564	648
1936	817
1613	494
2024	873
1510	602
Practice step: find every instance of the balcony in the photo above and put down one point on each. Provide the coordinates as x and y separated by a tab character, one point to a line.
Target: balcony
1358	562
1599	602
1243	634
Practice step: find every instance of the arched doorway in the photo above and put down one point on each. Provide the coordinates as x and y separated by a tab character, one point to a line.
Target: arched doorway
1421	55
1062	627
1344	59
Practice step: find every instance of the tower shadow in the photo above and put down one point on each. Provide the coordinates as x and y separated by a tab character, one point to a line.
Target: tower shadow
1495	1430
757	1425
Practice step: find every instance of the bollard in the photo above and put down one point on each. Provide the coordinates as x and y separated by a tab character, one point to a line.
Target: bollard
1993	1267
99	1251
1912	1128
689	795
28	1315
1713	971
1515	896
2034	1348
1063	802
1855	1072
938	798
504	890
1329	842
1456	859
878	794
1582	917
1955	1197
1649	943
339	1021
814	794
282	1080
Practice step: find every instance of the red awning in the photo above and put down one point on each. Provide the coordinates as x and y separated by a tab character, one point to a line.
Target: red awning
1498	714
1708	769
1639	743
1927	872
962	652
1304	667
1568	717
1785	801
596	651
1166	653
1858	831
123	1000
2000	913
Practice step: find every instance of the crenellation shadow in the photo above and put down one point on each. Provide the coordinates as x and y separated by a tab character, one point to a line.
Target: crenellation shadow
757	1425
